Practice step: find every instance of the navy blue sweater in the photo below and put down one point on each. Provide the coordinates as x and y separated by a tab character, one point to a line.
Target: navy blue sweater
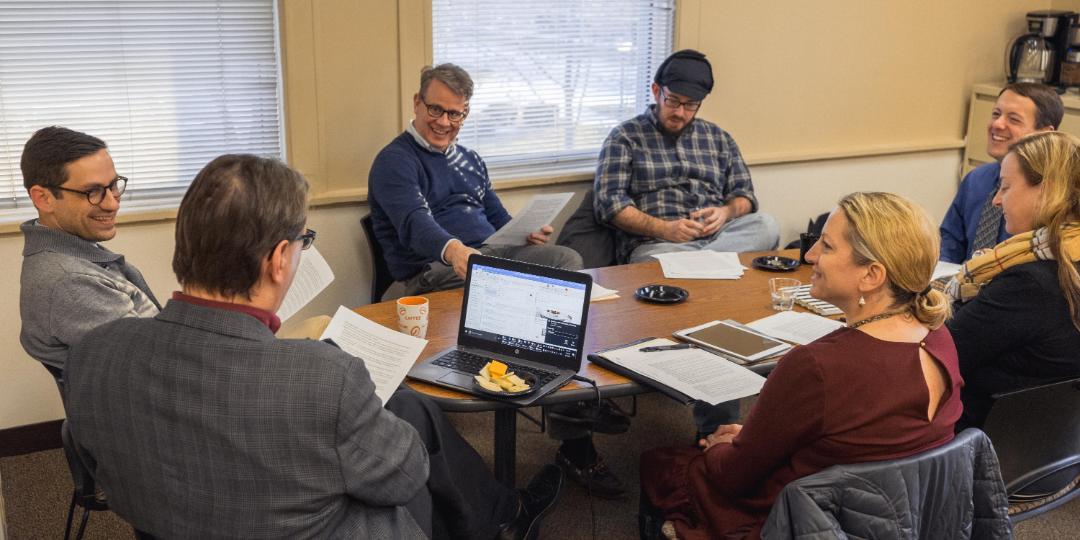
421	199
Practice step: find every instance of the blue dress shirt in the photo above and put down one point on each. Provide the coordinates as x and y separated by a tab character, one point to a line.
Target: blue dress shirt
962	221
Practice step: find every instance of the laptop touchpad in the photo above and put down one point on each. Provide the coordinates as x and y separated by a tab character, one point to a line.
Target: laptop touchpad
460	380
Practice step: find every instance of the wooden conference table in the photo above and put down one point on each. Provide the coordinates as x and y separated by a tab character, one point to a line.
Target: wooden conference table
611	323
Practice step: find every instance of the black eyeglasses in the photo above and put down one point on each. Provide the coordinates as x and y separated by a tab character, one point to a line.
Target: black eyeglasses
308	238
436	111
674	103
96	194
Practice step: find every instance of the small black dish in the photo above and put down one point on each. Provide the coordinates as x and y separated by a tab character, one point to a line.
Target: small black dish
662	294
775	263
529	379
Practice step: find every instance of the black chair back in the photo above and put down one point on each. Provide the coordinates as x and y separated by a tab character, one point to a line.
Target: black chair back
85	493
380	272
1036	432
593	241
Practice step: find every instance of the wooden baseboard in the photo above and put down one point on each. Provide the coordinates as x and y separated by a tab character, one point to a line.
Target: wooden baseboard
31	438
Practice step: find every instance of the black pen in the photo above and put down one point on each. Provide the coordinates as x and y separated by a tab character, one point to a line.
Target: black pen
659	348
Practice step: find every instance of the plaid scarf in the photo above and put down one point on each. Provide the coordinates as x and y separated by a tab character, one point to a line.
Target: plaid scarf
1020	249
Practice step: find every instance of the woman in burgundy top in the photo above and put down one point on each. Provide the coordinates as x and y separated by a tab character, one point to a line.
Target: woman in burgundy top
884	387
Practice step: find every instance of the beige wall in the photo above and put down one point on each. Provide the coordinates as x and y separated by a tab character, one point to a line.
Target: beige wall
1071	5
796	81
801	79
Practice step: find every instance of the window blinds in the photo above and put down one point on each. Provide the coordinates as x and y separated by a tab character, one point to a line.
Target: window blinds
551	78
168	85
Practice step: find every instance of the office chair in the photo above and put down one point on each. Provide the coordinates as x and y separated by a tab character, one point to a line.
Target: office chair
1036	432
85	493
380	272
594	241
952	491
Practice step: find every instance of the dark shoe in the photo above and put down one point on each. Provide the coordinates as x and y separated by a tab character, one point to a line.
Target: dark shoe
596	478
534	502
602	418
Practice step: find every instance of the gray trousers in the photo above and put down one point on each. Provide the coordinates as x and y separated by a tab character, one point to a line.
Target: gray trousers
437	276
752	232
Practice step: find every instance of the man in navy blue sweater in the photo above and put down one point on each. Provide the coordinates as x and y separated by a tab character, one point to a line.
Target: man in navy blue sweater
432	206
432	203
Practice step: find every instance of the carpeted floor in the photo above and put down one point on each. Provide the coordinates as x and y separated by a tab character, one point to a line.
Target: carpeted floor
36	487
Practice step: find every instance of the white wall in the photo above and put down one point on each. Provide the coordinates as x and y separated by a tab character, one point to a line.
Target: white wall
791	192
796	192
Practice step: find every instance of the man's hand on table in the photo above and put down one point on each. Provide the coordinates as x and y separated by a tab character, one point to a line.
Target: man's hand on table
457	255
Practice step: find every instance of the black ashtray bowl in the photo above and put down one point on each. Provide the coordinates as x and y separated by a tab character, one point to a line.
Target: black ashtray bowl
662	294
775	263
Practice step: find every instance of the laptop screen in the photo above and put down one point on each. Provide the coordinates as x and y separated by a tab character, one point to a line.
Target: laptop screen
508	309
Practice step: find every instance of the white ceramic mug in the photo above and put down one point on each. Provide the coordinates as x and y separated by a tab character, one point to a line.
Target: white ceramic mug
412	312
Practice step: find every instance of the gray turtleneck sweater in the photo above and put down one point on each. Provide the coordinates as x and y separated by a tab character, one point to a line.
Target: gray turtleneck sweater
71	286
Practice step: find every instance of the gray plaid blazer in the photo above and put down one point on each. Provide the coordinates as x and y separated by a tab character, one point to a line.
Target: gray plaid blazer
201	424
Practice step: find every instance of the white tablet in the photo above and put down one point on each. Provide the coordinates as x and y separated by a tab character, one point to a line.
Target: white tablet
741	344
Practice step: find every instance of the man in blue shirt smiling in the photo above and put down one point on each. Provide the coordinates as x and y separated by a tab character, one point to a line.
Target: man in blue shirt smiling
973	222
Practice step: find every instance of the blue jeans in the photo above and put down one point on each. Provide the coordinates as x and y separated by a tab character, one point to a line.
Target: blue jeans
752	232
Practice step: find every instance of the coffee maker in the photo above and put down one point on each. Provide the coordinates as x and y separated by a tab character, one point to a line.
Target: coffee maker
1037	55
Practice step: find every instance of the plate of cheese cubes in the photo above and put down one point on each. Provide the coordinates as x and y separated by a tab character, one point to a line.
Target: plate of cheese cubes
495	380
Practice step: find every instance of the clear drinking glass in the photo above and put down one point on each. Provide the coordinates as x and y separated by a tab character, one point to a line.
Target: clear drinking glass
782	291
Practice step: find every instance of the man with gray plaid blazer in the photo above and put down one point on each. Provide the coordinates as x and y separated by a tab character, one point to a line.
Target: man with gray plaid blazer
199	423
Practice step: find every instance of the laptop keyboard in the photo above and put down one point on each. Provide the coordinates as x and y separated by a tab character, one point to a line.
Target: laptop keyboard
471	363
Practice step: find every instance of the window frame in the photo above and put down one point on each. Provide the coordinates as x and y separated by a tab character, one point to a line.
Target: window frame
416	50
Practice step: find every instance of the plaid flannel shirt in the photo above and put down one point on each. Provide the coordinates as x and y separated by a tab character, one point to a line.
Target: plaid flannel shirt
667	177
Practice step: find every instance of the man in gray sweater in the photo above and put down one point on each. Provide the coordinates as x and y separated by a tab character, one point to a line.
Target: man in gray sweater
70	283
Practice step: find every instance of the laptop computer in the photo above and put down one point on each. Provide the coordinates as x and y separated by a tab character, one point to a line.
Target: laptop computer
530	317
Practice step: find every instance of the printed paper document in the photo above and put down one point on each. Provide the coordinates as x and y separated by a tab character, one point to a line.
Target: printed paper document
695	372
312	276
795	326
946	269
600	292
387	354
703	264
541	210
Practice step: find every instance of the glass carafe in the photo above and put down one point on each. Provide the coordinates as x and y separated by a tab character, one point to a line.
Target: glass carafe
1035	60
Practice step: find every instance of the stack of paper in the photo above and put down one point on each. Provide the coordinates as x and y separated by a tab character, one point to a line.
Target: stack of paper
693	372
599	292
795	326
703	264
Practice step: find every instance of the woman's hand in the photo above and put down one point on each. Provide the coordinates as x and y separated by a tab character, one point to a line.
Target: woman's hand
723	434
